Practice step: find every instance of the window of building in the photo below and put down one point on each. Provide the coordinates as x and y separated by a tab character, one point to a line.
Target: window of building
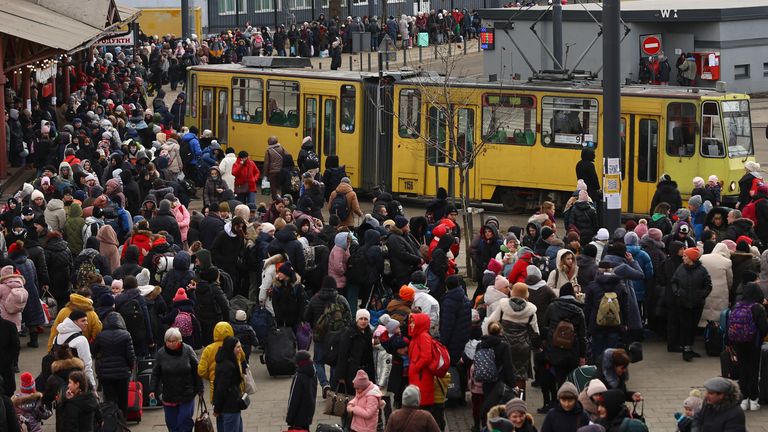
229	7
409	113
765	69
283	103
509	119
326	3
681	129
348	106
263	5
360	2
711	131
648	150
300	4
247	100
568	122
437	149
741	71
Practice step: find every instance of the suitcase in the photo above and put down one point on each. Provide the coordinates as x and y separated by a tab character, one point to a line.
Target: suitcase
135	401
144	376
279	352
713	339
423	39
763	383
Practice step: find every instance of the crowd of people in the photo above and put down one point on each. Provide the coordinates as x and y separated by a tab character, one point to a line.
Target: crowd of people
102	247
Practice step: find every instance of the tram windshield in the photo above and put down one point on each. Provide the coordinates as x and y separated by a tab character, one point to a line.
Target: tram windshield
738	128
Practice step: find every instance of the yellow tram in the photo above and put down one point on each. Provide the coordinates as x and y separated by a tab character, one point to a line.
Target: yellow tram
393	132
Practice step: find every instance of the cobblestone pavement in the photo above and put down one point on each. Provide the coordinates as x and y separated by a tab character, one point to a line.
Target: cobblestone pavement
663	378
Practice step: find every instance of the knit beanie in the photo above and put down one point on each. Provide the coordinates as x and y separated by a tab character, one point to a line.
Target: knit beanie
695	201
362	313
631	239
380	329
76	315
361	380
390	323
27	382
589	250
655	234
411	396
602	234
693	403
546	233
568	390
495	266
520	290
287	269
567	290
407	293
641	230
302	358
692	253
698	182
500	283
595	387
241	316
533	275
181	295
400	221
583	196
107	300
516	405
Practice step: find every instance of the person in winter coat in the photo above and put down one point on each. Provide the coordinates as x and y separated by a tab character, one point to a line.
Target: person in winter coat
207	367
568	414
115	358
58	256
55	216
319	302
215	186
73	228
748	183
423	302
288	297
78	407
720	268
79	301
761	213
211	305
492	390
9	355
28	406
108	245
356	352
246	174
484	247
585	170
365	406
583	217
13	296
420	356
32	315
605	335
644	260
565	271
228	248
403	254
337	264
225	168
186	307
690	285
517	317
76	324
455	318
746	327
165	220
141	327
613	410
660	218
564	353
666	191
229	389
301	398
174	372
130	263
410	418
720	410
352	206
613	371
273	164
440	263
285	242
182	216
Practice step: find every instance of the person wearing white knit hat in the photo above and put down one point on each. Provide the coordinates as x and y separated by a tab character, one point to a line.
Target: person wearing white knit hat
356	352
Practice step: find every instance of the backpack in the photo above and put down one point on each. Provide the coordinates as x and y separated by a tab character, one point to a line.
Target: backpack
340	206
134	319
441	360
357	267
183	322
485	366
542	262
713	339
86	268
564	335
609	310
47	360
741	324
632	425
16	299
750	211
185	151
91	229
294	180
309	258
311	156
114	420
335	317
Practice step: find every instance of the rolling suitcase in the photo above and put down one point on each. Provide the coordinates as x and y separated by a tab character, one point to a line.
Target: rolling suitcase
135	401
280	351
144	376
729	364
763	383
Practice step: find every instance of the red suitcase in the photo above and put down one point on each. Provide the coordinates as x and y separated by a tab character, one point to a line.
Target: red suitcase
135	401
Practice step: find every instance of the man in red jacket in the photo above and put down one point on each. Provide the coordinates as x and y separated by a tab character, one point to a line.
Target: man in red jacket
246	174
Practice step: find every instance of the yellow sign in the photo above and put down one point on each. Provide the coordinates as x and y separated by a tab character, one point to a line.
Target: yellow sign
612	183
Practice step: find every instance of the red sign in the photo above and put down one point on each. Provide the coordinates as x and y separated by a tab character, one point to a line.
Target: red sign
651	45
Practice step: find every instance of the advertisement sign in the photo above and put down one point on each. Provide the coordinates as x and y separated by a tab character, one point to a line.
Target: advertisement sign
117	39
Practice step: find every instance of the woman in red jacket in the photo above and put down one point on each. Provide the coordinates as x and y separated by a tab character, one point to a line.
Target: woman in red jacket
420	354
246	174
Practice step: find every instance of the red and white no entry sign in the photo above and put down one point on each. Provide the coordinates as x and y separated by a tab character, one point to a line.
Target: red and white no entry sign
651	45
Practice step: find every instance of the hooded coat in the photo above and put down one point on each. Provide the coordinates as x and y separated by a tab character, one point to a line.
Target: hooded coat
337	261
229	373
644	260
73	228
559	420
210	193
108	245
55	216
726	416
77	302
585	170
352	204
32	315
718	265
165	220
182	219
365	408
667	191
80	344
8	283
420	355
113	350
557	277
207	367
225	168
455	322
58	257
285	242
178	277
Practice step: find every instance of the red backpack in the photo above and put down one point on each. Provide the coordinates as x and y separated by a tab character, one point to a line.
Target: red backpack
750	211
441	360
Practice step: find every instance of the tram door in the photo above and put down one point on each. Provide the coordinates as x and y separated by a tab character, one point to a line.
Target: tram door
320	123
640	161
441	154
214	112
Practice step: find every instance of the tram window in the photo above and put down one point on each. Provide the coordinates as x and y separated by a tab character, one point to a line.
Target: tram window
193	94
509	119
221	125
206	110
347	109
465	136
648	150
247	100
681	129
310	118
568	122
283	103
436	139
329	127
409	113
711	131
738	128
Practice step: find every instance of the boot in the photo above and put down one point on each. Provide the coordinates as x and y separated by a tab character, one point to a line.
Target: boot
33	339
687	354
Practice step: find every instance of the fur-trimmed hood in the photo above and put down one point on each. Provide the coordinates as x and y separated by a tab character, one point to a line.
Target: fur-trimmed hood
73	363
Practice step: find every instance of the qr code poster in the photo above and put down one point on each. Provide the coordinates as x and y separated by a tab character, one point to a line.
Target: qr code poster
612	183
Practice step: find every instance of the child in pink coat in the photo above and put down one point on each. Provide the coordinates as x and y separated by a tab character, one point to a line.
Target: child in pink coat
13	295
365	406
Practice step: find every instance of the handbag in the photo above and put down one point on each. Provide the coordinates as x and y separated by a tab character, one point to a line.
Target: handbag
250	384
336	403
245	401
203	422
50	305
242	188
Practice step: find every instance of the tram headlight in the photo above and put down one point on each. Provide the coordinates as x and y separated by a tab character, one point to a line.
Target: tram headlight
732	186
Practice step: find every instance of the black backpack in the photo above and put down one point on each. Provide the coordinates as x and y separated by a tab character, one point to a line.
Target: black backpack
114	420
206	307
357	267
185	152
134	319
47	360
340	206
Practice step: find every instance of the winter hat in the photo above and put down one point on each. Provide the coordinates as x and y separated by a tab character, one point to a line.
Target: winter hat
718	385
76	315
495	266
501	283
380	329
142	279
400	221
287	269
361	381
500	424
589	250
407	293
181	295
583	196
698	182
117	285
631	239
695	201
641	230
411	396
655	234
418	278
107	300
567	290
390	323
302	357
241	316
520	290
745	239
267	227
692	253
752	166
683	214
713	179
362	313
616	249
595	387
581	185
165	205
346	180
516	405
693	402
730	244
533	275
27	382
602	234
568	390
546	232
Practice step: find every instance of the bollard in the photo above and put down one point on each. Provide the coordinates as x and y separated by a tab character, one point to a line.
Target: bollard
465	47
420	54
320	65
405	57
350	63
369	61
435	51
361	61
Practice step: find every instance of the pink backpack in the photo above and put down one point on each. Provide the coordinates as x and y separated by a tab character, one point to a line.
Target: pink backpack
16	299
183	322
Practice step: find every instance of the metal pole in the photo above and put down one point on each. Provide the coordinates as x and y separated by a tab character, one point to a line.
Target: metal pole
420	54
185	33
3	144
350	63
557	31
361	61
369	61
611	95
